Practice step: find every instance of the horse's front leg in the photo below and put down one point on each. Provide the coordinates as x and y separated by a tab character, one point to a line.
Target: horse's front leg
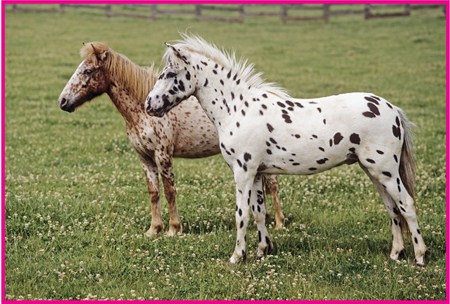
249	193
164	162
151	173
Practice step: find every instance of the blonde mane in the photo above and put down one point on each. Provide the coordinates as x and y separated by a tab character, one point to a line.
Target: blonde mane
246	71
136	80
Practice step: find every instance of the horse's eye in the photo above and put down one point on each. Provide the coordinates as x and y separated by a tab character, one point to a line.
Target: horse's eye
87	72
171	75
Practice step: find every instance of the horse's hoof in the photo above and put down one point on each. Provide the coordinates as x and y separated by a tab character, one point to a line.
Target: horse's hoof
419	264
235	261
279	226
268	250
151	233
230	263
172	233
401	253
154	230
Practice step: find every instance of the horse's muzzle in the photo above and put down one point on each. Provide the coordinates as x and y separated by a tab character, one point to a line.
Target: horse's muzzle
152	109
65	105
156	113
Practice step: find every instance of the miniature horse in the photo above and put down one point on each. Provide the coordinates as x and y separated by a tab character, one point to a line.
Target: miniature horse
262	130
185	133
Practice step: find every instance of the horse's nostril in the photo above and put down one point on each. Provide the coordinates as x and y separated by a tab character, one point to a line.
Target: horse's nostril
63	102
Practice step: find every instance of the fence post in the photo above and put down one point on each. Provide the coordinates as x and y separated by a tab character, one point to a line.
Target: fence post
326	11
284	12
241	12
366	11
198	11
408	9
155	11
108	10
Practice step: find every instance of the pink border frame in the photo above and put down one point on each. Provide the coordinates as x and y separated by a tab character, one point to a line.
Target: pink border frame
2	154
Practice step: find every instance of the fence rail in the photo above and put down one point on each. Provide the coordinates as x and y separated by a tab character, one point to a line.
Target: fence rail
15	8
101	7
201	7
370	15
240	12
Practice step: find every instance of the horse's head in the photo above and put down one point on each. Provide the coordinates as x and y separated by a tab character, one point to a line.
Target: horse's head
174	85
89	80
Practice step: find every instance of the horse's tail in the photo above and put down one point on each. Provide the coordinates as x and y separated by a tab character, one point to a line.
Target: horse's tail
407	168
407	164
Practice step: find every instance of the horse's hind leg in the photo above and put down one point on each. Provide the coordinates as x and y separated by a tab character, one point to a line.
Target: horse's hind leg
259	213
151	173
398	245
404	206
271	185
164	163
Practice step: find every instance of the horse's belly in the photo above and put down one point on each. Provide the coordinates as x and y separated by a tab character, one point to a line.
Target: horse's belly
196	140
197	149
303	166
196	136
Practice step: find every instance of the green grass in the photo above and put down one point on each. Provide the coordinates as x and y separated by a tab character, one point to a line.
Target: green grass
77	204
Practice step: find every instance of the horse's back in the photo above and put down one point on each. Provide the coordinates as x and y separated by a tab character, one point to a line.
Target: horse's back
325	116
363	112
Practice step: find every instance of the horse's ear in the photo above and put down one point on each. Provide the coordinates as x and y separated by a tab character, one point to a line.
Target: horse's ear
171	46
174	49
178	53
102	57
100	54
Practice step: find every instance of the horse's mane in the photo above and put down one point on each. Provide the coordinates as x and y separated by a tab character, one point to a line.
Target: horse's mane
246	71
136	80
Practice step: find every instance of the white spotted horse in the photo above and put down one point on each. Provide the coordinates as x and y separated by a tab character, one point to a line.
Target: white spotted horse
264	130
186	132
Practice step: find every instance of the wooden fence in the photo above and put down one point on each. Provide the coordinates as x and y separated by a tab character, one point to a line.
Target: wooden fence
242	11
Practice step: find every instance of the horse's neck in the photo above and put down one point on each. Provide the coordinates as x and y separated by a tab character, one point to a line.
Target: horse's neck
130	108
217	92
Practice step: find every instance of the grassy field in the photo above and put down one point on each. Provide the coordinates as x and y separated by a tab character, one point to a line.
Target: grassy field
77	203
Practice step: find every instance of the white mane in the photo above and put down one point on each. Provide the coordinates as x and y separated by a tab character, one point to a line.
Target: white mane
246	71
